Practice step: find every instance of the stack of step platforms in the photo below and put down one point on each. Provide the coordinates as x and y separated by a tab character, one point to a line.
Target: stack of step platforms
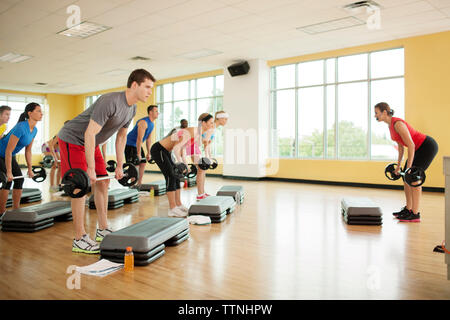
215	207
158	186
29	195
237	192
361	211
117	198
147	238
37	217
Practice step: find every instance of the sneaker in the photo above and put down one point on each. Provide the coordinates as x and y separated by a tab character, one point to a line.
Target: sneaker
177	212
401	212
183	208
100	234
202	196
85	245
411	217
54	188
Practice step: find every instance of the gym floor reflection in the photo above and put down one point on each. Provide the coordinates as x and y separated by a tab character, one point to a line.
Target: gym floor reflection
286	241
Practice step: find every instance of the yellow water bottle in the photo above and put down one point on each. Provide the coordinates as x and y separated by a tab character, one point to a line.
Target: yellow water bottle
129	259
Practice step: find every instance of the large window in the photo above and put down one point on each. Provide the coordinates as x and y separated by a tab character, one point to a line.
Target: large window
17	104
111	143
323	109
187	100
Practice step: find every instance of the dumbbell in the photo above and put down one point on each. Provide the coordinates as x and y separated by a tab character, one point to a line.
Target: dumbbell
181	170
207	163
47	161
39	176
411	176
76	182
111	165
137	161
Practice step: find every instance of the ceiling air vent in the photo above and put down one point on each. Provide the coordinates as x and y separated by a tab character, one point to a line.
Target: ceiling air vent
139	58
361	4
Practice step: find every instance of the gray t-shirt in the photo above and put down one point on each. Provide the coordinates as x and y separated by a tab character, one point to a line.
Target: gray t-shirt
111	111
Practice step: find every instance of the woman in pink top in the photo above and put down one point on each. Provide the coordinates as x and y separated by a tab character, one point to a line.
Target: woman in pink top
421	151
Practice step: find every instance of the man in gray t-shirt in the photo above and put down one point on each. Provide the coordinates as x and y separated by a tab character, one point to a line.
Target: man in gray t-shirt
79	142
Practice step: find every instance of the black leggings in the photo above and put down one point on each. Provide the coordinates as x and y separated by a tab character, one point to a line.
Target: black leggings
425	154
164	161
18	183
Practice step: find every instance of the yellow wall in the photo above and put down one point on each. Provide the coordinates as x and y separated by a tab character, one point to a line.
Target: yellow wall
427	97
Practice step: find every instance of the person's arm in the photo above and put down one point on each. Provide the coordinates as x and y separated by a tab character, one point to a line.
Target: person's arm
12	143
148	144
89	148
104	150
178	148
29	158
402	130
121	141
51	144
142	126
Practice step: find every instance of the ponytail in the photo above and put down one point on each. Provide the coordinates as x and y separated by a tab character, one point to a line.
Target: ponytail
383	106
28	108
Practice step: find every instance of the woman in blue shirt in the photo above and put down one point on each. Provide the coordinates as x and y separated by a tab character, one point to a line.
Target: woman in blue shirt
21	136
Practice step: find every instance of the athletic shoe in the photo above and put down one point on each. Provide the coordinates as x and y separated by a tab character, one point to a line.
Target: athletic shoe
411	217
100	234
85	245
177	212
183	208
401	212
202	196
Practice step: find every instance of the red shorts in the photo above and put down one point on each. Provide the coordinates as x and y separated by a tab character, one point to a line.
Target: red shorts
73	156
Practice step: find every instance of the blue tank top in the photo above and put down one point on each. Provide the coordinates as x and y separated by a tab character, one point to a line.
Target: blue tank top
22	132
132	135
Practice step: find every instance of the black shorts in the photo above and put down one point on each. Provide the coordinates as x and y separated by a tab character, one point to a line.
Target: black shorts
163	159
131	154
16	172
425	154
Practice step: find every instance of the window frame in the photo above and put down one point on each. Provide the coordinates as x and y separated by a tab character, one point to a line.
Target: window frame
273	141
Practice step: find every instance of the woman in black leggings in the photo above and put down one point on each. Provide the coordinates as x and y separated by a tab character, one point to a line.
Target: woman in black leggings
421	151
161	153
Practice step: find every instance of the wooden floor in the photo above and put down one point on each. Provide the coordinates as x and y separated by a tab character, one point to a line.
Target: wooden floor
286	241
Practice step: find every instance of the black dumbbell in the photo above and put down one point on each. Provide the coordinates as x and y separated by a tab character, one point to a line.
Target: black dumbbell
39	176
47	161
414	176
214	163
204	163
111	165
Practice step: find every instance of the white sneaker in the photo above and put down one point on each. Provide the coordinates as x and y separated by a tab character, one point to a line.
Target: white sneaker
85	245
183	208
100	234
177	212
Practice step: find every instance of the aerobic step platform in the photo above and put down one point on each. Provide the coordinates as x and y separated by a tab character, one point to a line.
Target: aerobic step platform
148	239
361	211
215	207
29	195
159	187
37	217
117	198
237	192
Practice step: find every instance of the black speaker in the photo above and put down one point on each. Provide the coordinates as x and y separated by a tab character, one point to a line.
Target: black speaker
238	69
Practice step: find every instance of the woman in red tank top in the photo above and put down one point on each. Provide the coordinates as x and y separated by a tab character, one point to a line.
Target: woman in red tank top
421	151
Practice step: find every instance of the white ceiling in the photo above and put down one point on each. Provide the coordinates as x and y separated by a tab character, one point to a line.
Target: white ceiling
164	30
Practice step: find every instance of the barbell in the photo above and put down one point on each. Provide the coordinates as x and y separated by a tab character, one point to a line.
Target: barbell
39	176
414	176
76	182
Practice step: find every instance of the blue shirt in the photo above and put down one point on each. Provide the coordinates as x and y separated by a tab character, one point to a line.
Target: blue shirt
132	136
22	132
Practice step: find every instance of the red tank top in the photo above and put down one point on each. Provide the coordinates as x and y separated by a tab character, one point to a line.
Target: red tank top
416	136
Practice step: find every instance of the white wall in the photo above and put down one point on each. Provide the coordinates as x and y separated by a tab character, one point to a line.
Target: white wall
246	136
